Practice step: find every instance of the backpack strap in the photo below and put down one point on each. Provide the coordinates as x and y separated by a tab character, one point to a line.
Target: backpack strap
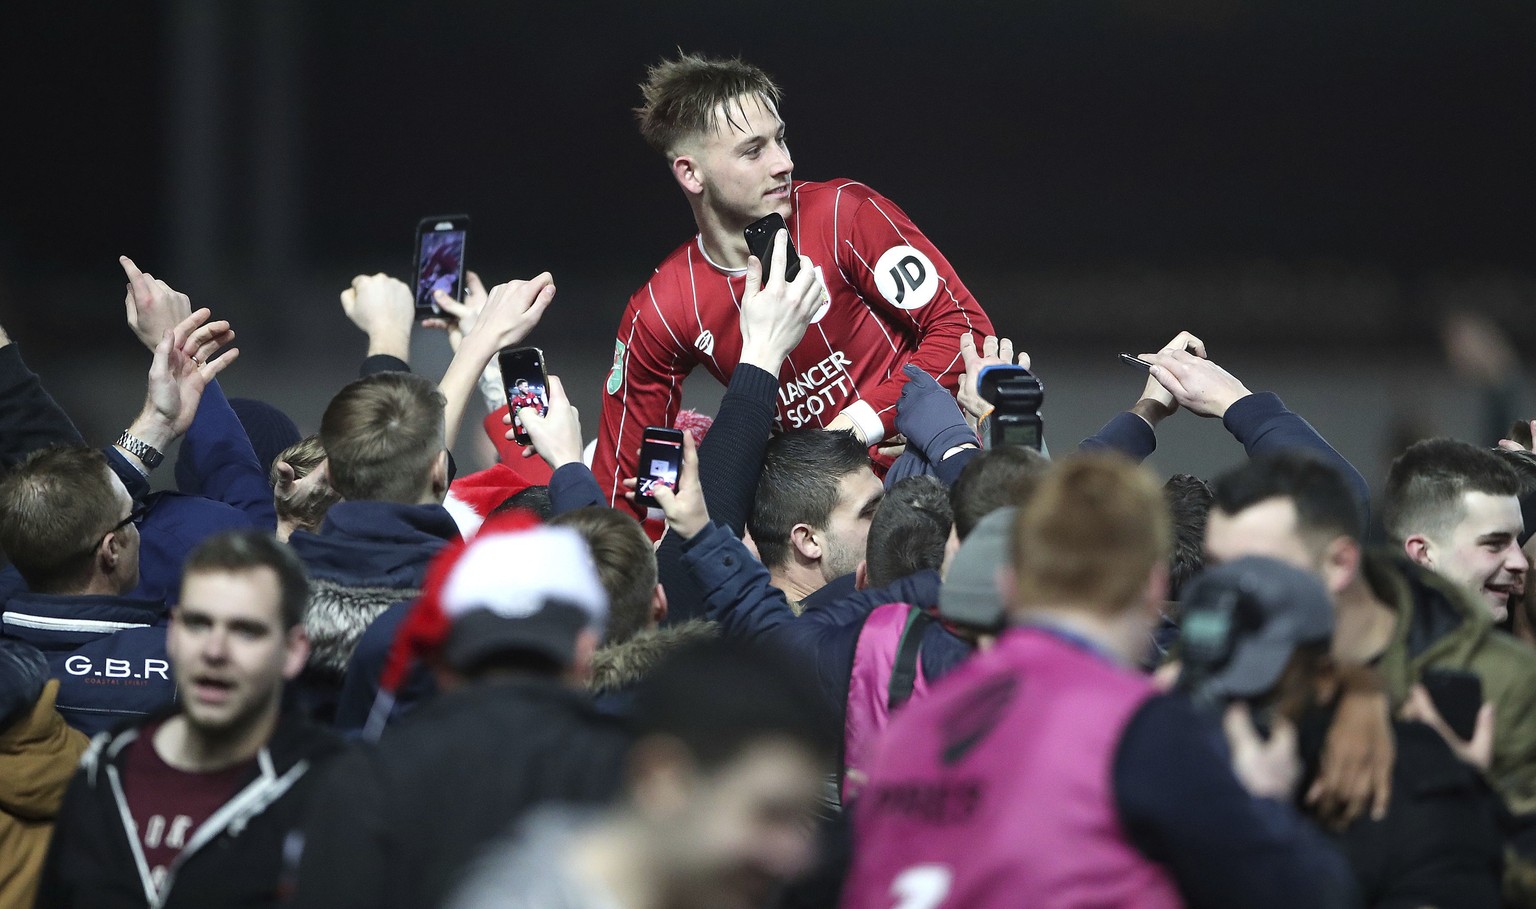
904	672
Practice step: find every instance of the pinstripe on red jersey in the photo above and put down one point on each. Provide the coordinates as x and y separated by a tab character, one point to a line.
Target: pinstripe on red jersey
892	299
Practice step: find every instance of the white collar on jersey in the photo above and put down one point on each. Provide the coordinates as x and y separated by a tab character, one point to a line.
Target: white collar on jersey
733	272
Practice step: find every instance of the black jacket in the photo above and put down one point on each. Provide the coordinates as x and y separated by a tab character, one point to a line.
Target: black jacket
391	824
233	860
1440	843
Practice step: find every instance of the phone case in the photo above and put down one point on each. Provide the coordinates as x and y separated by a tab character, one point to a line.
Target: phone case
430	266
1458	695
760	236
526	363
658	443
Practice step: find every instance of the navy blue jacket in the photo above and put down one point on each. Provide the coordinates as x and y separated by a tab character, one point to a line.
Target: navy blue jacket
107	652
738	594
1260	422
378	545
218	461
375	546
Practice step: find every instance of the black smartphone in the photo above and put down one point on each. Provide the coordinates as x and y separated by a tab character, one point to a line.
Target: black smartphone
1458	695
439	261
760	236
1135	361
661	460
527	384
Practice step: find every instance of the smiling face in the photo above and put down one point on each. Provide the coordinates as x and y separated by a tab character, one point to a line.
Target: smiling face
741	169
1481	551
230	651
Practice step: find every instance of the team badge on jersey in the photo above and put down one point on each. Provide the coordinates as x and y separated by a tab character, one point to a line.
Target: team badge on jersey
705	343
906	277
616	374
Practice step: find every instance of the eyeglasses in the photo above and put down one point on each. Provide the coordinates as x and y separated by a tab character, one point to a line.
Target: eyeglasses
135	517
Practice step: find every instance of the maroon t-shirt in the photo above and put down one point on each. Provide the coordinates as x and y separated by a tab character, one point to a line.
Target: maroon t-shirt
168	805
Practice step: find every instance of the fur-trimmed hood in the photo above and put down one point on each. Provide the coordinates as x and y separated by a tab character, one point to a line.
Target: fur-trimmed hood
618	666
337	616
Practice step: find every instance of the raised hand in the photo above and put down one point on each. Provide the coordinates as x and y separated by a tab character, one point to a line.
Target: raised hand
775	313
685	509
462	316
384	309
1200	386
994	350
510	313
556	435
153	307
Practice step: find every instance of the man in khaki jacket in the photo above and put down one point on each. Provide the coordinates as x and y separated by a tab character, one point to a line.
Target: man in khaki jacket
38	755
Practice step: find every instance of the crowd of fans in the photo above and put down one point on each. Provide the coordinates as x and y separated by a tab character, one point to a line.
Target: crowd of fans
874	661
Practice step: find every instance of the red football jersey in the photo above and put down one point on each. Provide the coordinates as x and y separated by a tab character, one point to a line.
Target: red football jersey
892	298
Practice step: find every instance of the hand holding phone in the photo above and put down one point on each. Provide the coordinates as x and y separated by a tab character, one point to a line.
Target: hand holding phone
526	380
761	236
661	462
1457	695
439	263
1135	361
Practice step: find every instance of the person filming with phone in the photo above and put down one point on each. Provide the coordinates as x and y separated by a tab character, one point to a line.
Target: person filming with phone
889	295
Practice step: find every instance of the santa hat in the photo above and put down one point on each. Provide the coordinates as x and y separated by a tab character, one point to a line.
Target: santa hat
518	586
472	497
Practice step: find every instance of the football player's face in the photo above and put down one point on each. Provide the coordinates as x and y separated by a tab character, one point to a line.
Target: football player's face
745	164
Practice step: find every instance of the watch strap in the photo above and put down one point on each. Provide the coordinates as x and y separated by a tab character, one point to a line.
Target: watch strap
140	449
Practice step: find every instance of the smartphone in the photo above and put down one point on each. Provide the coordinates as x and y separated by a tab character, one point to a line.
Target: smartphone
661	460
760	236
1135	361
439	261
1458	696
527	384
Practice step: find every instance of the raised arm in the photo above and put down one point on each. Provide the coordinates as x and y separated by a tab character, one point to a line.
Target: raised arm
29	417
511	312
774	317
1259	421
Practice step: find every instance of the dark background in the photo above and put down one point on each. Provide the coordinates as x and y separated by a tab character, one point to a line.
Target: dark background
1311	186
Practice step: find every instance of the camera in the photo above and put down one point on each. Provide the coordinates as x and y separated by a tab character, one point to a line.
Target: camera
1015	394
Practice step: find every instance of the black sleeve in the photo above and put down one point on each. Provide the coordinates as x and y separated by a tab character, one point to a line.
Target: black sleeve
346	851
1440	843
730	461
382	363
29	417
1182	807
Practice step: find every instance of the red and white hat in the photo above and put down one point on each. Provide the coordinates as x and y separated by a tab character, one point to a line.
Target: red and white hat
517	586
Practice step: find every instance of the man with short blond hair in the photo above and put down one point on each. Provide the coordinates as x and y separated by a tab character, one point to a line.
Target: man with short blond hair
383	437
890	297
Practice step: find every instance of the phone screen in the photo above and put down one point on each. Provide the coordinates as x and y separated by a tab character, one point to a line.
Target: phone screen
760	236
527	385
661	460
439	261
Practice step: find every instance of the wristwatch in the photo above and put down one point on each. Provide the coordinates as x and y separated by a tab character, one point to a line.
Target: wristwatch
140	449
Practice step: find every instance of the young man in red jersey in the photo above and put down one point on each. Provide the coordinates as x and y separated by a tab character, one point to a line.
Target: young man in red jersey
890	297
